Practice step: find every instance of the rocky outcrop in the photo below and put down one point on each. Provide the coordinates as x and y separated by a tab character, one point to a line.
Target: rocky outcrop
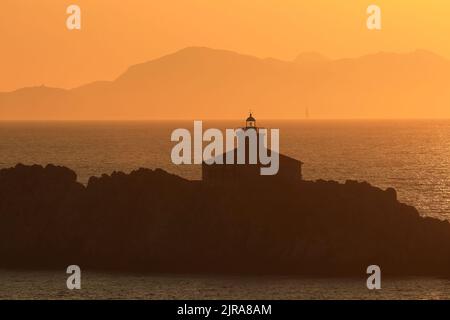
153	221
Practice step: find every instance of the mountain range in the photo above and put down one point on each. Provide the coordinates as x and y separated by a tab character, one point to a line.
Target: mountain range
203	83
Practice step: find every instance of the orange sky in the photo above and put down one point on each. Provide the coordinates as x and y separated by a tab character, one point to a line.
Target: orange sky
36	47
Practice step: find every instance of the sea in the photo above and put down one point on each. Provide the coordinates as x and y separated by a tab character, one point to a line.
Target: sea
20	285
412	156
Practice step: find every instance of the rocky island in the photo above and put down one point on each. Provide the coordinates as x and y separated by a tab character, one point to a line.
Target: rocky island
153	221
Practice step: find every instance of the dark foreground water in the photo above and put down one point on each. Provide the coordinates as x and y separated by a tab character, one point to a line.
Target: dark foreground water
52	285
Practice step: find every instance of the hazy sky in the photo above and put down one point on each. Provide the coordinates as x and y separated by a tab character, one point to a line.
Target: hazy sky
36	47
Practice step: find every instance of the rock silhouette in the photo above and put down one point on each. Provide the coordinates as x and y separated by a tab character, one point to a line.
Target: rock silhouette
153	221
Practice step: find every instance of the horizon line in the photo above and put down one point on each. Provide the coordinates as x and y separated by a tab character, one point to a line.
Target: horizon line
227	119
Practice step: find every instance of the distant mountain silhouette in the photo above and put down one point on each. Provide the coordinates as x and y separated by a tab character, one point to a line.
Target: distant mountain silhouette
153	221
205	83
310	58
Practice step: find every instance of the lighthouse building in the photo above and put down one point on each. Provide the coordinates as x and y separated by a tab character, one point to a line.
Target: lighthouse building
290	169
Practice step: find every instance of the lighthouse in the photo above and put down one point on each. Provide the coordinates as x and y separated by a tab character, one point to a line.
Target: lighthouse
222	173
250	122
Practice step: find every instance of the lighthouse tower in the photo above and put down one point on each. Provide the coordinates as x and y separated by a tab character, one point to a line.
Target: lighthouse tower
250	122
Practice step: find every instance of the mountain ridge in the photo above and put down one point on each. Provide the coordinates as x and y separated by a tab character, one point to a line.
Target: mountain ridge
200	82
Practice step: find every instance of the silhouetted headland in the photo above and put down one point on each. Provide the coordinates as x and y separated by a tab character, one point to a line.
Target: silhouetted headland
153	221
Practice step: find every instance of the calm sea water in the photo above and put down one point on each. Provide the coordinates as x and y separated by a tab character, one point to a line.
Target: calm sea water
52	285
411	156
